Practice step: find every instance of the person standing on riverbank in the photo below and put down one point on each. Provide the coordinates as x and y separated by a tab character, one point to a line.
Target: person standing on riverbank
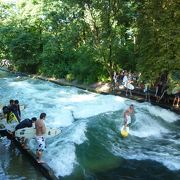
126	82
147	92
176	100
16	110
40	131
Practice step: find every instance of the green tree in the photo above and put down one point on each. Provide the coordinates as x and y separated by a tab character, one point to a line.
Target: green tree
158	37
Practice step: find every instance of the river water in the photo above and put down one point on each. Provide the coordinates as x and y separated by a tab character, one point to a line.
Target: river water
90	146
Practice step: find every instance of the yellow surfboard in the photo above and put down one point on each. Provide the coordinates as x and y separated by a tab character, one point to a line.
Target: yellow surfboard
124	131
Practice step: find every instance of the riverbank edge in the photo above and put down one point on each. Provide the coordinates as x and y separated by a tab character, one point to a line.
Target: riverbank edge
46	171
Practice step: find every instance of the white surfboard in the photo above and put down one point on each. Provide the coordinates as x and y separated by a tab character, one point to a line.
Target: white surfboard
3	124
124	131
22	107
8	126
11	126
129	86
1	116
30	133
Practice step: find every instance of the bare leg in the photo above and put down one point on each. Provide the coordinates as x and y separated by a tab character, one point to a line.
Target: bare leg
174	101
162	95
178	99
130	92
25	144
39	156
126	92
148	97
156	91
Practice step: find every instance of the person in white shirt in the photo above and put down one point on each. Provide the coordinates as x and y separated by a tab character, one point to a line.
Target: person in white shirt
125	83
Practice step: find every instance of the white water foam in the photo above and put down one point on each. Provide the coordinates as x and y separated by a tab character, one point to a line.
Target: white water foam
147	126
164	114
61	154
63	104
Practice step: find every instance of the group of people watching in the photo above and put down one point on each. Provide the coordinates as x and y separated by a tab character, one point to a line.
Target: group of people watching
12	111
123	79
160	90
12	116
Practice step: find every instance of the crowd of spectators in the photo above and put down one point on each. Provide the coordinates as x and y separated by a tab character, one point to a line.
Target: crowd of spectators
160	91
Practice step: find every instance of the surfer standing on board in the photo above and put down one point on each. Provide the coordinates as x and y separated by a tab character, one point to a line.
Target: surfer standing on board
127	115
40	131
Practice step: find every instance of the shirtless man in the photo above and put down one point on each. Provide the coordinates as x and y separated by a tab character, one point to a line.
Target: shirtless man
40	131
127	115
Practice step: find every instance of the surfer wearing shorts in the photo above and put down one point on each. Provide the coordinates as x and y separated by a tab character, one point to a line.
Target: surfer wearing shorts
40	131
127	115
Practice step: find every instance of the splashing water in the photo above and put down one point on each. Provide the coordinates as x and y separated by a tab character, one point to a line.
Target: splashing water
90	141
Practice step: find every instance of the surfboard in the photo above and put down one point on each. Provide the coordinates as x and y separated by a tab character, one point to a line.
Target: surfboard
11	126
129	86
8	126
2	124
1	115
22	107
30	133
124	132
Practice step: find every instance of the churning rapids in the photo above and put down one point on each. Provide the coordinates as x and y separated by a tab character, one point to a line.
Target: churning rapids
90	146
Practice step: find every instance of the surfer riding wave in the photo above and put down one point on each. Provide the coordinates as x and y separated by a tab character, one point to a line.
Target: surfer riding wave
127	115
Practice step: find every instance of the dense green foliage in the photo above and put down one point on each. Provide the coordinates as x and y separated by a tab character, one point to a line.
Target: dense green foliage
88	40
158	37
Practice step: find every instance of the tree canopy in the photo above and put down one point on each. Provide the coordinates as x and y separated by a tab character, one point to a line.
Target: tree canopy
88	40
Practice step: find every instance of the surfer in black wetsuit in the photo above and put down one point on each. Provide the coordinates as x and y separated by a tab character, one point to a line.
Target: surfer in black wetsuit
24	124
